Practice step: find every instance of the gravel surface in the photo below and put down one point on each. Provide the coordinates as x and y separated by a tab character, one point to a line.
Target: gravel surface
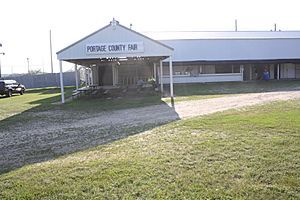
56	133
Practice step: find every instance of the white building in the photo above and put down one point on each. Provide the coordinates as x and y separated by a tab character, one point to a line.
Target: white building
236	56
118	56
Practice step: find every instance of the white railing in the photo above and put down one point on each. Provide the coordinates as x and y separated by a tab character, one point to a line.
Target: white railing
204	78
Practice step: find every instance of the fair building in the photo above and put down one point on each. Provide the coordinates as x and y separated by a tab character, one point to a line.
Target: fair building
117	56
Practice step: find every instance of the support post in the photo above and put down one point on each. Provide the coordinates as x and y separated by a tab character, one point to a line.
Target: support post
113	67
161	77
87	78
117	74
91	76
242	71
171	80
278	71
154	71
61	82
76	77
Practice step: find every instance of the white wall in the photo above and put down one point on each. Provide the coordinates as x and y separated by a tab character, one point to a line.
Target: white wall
287	71
205	78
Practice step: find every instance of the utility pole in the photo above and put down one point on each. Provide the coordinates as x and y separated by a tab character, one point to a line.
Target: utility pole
236	25
51	53
28	65
2	53
0	59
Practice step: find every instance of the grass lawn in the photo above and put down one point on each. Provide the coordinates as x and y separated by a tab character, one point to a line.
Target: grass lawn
253	153
183	93
40	99
186	92
31	99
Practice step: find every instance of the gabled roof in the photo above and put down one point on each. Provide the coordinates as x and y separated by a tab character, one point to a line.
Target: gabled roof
112	33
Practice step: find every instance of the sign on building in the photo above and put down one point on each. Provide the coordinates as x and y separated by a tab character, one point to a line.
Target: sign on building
120	47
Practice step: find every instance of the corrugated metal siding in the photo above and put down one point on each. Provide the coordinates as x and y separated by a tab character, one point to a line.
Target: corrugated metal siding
237	49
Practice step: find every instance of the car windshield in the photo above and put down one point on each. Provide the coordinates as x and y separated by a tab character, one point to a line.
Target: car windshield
10	82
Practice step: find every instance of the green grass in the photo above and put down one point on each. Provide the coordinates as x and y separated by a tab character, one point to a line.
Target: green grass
96	104
247	154
42	98
185	92
17	103
38	99
182	93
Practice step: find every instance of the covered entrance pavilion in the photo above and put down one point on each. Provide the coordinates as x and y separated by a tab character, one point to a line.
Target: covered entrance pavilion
117	56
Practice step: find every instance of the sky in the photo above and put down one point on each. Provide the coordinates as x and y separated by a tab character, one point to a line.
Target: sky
25	25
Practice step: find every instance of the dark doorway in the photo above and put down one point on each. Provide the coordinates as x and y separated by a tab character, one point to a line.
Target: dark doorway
259	70
105	75
275	71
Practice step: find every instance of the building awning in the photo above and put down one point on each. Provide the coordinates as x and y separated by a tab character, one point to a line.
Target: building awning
114	41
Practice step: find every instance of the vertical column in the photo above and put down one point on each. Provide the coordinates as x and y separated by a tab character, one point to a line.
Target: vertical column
61	82
86	76
113	74
161	77
76	76
278	71
154	71
242	72
171	80
117	74
92	75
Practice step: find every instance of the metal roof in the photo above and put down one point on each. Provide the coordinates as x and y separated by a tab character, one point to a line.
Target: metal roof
264	47
171	35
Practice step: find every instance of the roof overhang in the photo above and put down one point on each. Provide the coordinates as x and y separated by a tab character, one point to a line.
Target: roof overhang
114	41
105	61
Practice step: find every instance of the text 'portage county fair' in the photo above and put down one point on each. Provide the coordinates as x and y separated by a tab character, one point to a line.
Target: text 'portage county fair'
128	47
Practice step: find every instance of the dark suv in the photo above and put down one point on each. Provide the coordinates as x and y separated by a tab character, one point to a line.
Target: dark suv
8	87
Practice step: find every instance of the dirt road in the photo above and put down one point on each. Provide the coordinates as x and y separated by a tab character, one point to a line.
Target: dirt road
62	132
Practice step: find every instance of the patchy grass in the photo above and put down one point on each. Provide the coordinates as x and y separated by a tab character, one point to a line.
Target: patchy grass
248	154
186	92
42	98
96	104
183	92
236	87
31	99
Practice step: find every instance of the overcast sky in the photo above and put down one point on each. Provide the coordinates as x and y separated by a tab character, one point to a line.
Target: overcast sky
25	25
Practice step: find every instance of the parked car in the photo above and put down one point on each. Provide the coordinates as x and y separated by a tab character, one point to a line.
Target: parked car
9	87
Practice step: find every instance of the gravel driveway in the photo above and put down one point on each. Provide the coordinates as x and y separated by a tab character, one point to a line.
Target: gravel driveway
62	132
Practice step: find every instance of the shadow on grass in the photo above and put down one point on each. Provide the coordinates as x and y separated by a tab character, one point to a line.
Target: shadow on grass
48	131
